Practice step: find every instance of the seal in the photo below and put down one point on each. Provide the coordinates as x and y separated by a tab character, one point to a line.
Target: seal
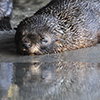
59	26
5	14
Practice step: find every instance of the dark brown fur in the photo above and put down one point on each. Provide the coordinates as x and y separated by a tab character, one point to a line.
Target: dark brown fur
5	14
59	26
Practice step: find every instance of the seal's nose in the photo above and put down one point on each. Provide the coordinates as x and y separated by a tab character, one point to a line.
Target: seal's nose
27	44
25	48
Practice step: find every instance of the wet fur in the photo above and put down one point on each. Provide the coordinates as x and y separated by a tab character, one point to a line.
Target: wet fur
71	24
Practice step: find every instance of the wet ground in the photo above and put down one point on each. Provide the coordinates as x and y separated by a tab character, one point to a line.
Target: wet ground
71	75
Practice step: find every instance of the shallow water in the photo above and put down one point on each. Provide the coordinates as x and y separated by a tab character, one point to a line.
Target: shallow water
50	81
71	75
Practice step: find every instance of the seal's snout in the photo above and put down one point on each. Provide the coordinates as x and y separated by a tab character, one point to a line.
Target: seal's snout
26	44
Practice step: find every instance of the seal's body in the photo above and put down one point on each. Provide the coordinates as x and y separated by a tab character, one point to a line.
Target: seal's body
59	26
5	14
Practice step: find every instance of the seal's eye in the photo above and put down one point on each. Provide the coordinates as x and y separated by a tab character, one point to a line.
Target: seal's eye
44	42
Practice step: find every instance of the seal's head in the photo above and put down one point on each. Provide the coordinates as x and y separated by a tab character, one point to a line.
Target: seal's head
34	37
35	43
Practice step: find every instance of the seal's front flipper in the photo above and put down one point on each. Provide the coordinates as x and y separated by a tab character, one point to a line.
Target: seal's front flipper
5	24
5	14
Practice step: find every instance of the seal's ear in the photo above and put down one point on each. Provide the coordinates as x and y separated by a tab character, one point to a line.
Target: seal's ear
5	24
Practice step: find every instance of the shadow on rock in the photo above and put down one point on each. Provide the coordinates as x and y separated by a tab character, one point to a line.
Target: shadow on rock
7	44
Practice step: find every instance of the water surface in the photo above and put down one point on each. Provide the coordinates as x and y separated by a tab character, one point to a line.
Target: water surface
50	81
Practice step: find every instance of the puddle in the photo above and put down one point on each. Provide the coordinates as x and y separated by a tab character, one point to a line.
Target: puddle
50	81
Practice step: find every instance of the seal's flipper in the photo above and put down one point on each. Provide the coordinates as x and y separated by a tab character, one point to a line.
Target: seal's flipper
5	24
5	14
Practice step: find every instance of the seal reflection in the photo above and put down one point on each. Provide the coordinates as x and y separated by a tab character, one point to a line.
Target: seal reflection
50	81
58	81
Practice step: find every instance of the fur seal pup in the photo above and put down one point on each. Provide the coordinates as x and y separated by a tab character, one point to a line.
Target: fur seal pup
59	26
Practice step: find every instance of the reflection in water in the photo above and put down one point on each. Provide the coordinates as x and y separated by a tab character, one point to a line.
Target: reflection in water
52	81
